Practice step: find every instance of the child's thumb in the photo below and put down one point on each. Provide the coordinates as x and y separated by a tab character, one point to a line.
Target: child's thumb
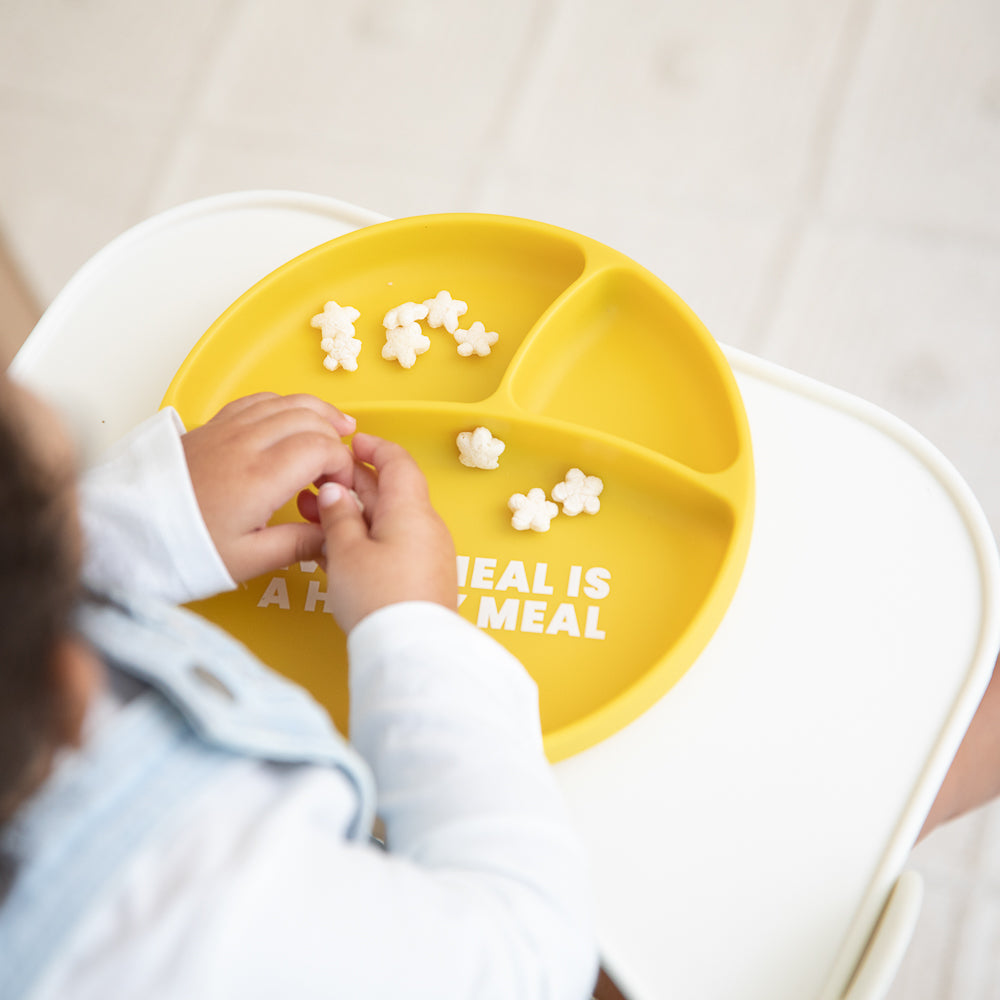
339	515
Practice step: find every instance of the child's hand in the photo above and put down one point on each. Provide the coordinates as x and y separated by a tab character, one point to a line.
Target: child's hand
398	550
255	455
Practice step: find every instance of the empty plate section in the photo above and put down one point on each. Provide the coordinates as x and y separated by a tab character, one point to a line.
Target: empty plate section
507	274
622	354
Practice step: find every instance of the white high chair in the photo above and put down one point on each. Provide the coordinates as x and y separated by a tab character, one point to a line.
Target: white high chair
777	789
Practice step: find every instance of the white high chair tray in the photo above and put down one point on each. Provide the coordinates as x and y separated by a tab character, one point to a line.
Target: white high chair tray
747	831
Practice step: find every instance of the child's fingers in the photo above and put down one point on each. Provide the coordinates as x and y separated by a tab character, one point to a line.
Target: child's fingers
242	404
366	487
276	547
340	518
265	406
259	406
307	505
307	457
280	425
344	423
401	484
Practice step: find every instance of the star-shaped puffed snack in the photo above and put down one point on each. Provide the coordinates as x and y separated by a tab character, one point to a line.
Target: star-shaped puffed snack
444	311
405	315
476	339
335	320
339	342
532	511
578	493
341	352
479	449
404	343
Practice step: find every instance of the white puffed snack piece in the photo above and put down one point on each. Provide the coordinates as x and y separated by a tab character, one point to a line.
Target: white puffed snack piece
532	511
444	311
477	339
479	449
341	352
335	320
404	343
578	493
404	315
341	346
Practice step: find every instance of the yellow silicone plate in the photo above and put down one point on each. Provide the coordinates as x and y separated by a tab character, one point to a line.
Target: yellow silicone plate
599	366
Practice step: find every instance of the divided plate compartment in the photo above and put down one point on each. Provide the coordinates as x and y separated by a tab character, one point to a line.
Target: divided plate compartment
599	366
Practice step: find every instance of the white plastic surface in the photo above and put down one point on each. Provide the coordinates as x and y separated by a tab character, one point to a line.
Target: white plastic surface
888	945
789	772
111	341
748	830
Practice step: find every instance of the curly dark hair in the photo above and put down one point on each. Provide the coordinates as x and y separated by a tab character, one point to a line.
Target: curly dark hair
39	588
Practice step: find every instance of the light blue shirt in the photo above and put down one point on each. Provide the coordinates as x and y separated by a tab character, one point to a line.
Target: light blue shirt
209	703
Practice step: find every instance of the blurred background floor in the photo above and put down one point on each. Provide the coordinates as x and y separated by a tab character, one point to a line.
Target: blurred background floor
818	179
19	308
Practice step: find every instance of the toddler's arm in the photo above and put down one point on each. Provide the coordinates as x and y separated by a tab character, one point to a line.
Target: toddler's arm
182	516
485	892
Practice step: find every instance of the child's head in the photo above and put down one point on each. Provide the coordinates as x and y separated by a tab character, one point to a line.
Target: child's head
42	676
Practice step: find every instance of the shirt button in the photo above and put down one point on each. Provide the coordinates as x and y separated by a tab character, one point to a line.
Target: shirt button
210	681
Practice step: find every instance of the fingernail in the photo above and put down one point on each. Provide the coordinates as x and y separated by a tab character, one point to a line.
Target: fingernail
328	494
353	420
